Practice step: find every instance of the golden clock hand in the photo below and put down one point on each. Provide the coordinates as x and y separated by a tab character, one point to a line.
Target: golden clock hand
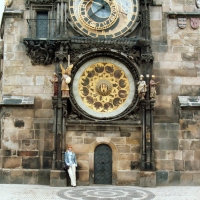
123	13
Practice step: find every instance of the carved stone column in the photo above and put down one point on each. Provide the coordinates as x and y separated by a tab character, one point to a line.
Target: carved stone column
152	155
146	69
64	115
144	156
61	21
61	109
54	102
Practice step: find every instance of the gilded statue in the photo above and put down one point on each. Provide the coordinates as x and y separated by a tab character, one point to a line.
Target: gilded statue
66	79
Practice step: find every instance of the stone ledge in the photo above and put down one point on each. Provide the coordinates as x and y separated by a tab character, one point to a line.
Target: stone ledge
182	14
147	179
9	100
104	123
188	102
177	178
127	177
25	176
58	178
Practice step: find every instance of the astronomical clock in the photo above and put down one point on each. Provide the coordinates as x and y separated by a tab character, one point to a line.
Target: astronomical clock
104	18
104	87
107	41
107	46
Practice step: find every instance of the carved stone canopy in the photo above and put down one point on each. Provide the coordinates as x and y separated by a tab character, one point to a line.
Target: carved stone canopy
47	51
41	52
39	1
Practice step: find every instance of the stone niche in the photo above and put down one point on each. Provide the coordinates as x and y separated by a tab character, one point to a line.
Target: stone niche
125	142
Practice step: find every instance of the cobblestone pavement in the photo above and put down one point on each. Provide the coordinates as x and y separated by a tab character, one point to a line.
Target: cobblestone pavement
103	192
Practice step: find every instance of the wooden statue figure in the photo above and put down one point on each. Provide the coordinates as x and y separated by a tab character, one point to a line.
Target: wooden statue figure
66	79
142	88
54	81
153	87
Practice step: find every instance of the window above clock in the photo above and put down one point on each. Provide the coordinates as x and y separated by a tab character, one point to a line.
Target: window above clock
41	22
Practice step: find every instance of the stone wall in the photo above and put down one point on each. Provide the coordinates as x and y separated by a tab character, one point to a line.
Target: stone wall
125	142
20	77
177	151
26	142
26	137
176	57
176	66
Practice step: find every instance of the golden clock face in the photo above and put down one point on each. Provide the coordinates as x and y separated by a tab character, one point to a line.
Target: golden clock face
103	87
103	18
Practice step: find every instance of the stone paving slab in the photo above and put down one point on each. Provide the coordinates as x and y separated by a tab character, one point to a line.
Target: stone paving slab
103	192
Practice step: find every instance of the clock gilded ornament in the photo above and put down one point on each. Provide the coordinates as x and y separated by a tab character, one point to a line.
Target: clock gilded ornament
103	88
103	18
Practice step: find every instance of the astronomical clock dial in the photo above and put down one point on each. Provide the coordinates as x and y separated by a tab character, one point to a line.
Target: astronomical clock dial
103	18
105	88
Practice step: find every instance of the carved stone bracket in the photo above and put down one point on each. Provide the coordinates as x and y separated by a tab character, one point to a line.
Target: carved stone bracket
130	47
41	52
63	52
28	2
147	58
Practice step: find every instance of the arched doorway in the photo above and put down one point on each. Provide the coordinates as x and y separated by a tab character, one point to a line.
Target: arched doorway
103	164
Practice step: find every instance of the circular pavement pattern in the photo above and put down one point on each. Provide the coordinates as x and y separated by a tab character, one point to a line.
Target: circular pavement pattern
106	192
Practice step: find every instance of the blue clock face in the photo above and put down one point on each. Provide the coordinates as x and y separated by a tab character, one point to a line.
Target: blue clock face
103	18
100	8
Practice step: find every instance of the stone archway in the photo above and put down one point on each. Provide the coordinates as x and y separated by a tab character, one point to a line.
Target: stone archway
103	164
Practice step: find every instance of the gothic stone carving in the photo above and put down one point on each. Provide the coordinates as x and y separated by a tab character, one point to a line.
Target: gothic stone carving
41	52
147	58
28	2
45	52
